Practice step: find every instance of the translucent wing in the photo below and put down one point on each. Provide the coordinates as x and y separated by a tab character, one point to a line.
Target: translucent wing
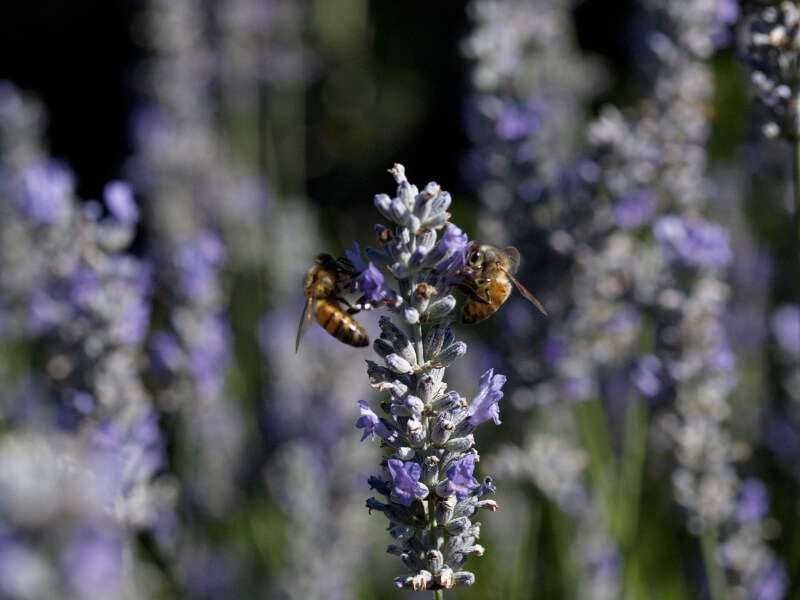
305	321
512	254
524	291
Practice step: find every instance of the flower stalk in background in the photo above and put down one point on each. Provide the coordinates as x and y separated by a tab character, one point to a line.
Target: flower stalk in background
428	491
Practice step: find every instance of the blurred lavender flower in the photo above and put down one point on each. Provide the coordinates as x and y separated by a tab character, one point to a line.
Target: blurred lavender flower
431	497
178	171
772	51
525	118
785	326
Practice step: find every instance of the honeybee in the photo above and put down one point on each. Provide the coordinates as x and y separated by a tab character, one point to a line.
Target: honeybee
491	270
323	287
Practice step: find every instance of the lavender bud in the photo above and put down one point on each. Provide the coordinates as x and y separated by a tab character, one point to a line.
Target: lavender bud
426	387
378	374
449	401
449	355
397	513
400	410
406	193
437	221
405	453
458	526
398	390
413	544
375	504
402	533
444	511
461	444
441	307
434	560
434	341
426	239
378	258
384	205
414	405
379	485
417	258
416	433
442	430
410	314
399	270
382	348
398	364
394	549
445	578
430	471
412	561
464	578
417	583
440	204
398	210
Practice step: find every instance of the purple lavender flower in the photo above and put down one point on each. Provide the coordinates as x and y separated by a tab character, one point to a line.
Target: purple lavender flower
753	502
47	191
460	479
634	209
371	284
118	196
93	564
430	428
354	256
693	243
773	583
785	323
198	262
485	405
405	476
370	422
517	122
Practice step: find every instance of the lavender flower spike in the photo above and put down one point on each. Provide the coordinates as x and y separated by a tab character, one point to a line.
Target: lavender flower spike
429	493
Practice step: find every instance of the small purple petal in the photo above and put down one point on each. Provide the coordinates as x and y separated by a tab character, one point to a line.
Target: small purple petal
485	405
371	284
460	479
118	196
405	476
370	422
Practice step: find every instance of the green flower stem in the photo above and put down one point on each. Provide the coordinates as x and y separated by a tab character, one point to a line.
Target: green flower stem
432	526
716	576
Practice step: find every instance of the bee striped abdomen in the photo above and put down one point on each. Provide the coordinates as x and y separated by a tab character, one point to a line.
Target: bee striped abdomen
495	293
341	325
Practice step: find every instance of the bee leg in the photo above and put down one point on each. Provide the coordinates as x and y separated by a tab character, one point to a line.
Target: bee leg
472	294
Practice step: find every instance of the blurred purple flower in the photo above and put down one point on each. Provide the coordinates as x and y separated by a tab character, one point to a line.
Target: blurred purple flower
198	262
773	583
634	209
516	122
92	564
693	243
785	324
753	502
47	190
118	196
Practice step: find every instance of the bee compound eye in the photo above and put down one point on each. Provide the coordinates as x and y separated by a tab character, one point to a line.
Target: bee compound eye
475	258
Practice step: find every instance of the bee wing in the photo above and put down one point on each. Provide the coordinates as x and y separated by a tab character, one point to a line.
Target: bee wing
512	254
305	321
524	291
